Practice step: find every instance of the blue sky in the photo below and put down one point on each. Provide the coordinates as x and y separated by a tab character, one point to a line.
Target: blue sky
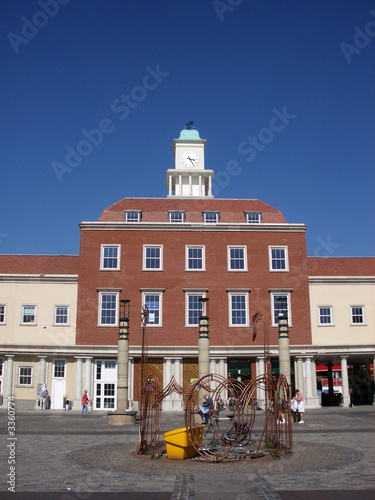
231	66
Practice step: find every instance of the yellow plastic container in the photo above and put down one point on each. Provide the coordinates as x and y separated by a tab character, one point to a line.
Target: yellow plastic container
178	442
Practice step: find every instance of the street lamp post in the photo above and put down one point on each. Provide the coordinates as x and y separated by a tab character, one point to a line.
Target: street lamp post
203	342
123	357
284	347
122	415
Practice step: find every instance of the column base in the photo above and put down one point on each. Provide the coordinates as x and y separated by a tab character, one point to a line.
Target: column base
122	417
77	404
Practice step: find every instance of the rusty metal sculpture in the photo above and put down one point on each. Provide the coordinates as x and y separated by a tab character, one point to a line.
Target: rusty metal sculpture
232	410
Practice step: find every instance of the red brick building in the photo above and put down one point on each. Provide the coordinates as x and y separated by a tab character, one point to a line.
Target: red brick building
168	253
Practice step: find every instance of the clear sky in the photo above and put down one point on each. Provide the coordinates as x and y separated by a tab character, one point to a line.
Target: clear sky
139	70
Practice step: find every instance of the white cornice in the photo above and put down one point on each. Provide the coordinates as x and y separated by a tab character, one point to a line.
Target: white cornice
188	226
38	278
309	351
341	280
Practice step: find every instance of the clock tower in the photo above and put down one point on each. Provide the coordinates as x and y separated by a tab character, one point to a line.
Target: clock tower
189	179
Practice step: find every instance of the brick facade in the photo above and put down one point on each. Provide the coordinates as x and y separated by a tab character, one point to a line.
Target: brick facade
174	279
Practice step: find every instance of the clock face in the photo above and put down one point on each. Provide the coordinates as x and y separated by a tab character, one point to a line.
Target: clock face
189	159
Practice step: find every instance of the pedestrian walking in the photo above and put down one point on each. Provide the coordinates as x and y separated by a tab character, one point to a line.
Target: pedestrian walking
300	407
85	401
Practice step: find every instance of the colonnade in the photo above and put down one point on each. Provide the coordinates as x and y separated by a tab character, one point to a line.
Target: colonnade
84	378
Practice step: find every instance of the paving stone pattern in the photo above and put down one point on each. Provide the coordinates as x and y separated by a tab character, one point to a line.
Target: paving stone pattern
73	454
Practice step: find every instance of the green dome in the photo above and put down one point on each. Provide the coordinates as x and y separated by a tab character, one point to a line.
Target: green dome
189	135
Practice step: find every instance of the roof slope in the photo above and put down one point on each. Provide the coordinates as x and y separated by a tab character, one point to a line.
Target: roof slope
39	264
156	209
341	266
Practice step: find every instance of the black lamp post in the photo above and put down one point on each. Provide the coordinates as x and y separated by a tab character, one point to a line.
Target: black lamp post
124	319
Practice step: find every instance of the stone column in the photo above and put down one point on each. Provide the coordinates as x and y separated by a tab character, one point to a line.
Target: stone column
41	376
260	367
310	399
172	368
203	351
299	376
178	403
123	373
313	380
167	375
8	378
131	383
87	379
77	401
345	381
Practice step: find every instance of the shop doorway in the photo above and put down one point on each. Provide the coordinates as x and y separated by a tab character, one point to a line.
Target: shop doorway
239	369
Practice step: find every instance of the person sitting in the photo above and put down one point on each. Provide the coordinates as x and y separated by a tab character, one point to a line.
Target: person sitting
205	408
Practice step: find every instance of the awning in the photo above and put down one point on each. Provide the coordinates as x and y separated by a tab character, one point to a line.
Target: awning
323	368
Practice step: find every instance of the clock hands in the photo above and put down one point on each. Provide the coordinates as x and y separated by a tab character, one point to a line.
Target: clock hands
192	161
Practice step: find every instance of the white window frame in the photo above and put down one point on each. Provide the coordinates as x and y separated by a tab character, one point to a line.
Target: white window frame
282	293
26	323
58	362
132	213
352	323
160	268
286	258
200	294
158	293
103	247
320	323
101	293
210	213
55	323
176	212
19	384
190	247
259	217
244	248
3	314
247	315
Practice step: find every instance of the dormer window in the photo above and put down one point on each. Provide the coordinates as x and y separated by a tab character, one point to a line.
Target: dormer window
253	217
210	217
132	216
177	216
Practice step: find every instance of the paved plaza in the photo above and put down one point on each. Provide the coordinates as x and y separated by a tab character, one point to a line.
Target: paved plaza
66	455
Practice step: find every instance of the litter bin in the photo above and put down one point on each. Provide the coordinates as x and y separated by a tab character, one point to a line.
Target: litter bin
179	445
68	404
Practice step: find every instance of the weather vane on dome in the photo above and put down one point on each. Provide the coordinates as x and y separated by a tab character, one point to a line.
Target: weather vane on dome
189	126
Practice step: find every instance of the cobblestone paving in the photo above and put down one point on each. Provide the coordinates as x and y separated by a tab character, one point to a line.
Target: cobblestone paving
67	452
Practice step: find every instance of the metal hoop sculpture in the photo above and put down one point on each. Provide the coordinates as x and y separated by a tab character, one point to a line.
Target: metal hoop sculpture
220	443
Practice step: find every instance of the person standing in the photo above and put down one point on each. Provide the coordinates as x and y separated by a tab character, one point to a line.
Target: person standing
85	401
205	408
294	409
300	407
43	398
47	402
